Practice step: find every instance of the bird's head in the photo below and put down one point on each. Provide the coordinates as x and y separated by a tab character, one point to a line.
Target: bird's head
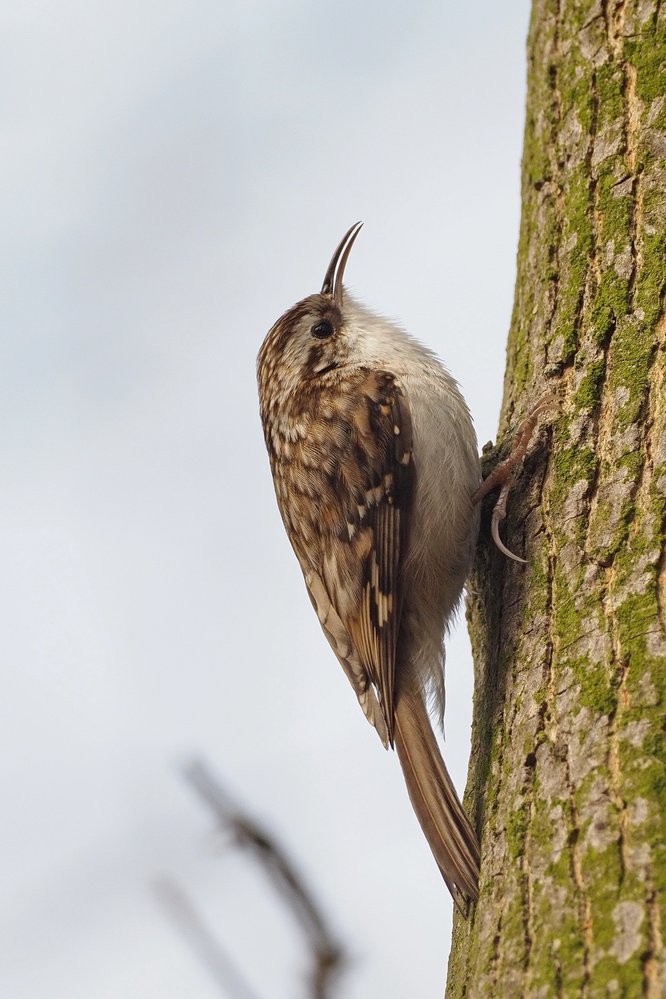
318	334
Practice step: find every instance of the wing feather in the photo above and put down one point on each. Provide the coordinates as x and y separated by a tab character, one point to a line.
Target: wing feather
386	440
351	545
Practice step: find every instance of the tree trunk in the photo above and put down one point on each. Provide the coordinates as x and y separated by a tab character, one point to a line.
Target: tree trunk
567	779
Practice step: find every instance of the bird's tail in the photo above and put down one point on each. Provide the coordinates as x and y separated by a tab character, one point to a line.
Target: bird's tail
449	832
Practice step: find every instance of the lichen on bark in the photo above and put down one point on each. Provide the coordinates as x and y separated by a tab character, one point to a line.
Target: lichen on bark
567	775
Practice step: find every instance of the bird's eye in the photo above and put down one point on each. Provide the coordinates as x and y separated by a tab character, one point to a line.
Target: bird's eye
323	329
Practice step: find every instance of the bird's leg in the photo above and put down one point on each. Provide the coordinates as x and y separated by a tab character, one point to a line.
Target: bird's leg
504	473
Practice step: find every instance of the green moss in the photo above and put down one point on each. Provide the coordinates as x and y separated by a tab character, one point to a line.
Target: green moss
572	464
567	617
536	165
516	830
602	872
630	364
615	213
595	680
649	58
596	687
632	462
610	94
557	946
628	978
577	220
588	393
651	277
574	83
571	955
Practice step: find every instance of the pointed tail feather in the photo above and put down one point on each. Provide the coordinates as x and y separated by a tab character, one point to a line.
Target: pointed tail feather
446	827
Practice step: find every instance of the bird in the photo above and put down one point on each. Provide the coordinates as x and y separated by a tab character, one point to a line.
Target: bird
377	476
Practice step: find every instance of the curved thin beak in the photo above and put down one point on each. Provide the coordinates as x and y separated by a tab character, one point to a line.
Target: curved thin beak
333	281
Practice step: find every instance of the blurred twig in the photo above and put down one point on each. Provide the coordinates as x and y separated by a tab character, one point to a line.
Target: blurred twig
189	922
327	954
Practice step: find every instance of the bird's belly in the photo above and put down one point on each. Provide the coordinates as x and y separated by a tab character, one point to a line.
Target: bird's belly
443	525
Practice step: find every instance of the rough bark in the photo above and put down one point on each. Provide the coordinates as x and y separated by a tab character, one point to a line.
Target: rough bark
567	778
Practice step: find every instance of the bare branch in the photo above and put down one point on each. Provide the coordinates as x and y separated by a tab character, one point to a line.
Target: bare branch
327	954
182	912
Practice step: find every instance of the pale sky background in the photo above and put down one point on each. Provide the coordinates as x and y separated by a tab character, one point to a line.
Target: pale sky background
174	176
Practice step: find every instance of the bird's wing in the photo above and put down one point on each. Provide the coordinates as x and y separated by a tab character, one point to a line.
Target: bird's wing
384	448
355	582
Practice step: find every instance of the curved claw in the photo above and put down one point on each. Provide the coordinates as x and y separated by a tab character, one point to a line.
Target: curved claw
494	530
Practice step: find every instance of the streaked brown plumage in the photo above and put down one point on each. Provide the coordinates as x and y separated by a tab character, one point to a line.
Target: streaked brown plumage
374	461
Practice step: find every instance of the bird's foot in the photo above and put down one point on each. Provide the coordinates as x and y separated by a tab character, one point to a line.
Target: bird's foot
504	473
